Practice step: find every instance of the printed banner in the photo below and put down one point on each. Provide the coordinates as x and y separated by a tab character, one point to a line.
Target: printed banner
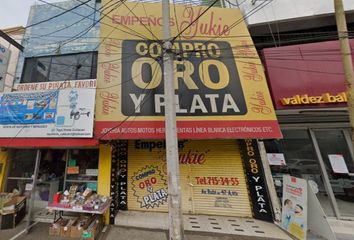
55	85
220	87
51	114
5	54
294	213
256	180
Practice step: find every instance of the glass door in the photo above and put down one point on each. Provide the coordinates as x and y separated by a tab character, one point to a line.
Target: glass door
300	161
333	150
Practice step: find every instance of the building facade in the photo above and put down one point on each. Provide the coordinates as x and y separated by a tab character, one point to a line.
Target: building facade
76	59
309	93
47	118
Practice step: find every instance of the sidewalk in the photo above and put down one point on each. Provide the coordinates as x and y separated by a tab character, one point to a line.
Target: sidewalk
40	232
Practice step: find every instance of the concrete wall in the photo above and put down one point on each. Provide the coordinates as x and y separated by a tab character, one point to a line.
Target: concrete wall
72	32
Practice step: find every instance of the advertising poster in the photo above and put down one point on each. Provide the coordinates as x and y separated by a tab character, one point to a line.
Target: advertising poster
294	206
338	163
276	159
51	114
4	61
212	177
220	87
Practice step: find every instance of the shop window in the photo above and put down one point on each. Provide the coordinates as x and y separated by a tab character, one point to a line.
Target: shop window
82	168
300	161
300	158
21	169
60	68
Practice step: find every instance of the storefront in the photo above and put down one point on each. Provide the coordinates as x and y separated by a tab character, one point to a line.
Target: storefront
218	177
212	177
55	170
47	143
220	102
308	91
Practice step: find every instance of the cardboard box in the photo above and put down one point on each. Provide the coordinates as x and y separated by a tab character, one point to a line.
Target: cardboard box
76	230
65	230
55	228
94	229
13	212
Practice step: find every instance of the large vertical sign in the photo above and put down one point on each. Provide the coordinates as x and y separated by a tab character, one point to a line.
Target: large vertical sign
256	180
294	206
4	62
220	87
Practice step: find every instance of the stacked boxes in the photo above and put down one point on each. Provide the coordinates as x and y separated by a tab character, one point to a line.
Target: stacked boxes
84	227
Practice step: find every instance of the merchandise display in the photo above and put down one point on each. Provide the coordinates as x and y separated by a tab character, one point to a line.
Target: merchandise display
79	201
82	202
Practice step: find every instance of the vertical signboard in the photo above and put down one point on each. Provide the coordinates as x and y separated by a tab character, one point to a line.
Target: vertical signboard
119	178
4	61
256	180
294	213
123	174
220	87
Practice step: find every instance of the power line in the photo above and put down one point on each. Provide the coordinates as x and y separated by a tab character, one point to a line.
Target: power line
196	19
129	116
60	14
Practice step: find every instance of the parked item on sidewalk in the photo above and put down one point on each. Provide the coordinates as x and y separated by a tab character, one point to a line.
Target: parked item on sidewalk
12	210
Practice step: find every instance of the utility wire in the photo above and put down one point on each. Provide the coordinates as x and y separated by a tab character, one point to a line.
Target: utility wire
196	19
60	14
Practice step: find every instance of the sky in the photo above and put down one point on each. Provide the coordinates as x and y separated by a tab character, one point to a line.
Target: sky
15	12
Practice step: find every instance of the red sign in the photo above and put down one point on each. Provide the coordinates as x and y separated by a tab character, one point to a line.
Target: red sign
306	76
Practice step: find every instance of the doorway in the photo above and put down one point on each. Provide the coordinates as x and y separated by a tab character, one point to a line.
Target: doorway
40	173
333	150
323	156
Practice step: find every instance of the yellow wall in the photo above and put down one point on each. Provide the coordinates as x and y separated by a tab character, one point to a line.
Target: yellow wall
104	173
3	162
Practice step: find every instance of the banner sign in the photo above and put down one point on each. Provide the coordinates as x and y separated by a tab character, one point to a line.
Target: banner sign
217	94
256	180
55	85
4	61
294	213
51	114
312	80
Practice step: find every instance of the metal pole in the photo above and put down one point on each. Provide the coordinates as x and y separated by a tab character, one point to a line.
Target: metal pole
346	58
325	177
33	192
174	189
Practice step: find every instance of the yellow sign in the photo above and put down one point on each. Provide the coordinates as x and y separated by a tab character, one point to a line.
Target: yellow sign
221	90
305	99
211	174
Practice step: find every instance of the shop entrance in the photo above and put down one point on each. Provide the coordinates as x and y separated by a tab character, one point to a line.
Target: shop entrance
39	173
212	177
333	150
323	156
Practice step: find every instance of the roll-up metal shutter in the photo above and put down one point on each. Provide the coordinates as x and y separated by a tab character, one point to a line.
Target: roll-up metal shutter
212	177
219	185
